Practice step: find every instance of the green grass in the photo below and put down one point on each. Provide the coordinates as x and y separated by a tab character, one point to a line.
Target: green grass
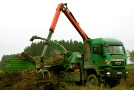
130	66
74	87
1	71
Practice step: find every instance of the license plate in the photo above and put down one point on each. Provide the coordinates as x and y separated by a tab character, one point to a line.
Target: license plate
119	72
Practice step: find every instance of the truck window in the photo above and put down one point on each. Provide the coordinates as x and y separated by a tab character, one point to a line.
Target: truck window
94	50
97	49
115	50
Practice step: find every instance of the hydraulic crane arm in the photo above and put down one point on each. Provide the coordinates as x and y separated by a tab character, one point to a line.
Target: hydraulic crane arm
63	7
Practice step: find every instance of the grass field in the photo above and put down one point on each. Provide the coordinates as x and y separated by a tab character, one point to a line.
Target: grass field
130	66
1	71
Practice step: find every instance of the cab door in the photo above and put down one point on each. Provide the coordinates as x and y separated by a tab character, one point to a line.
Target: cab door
97	55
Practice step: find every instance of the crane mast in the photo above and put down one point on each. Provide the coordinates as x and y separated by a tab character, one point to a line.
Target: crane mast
63	7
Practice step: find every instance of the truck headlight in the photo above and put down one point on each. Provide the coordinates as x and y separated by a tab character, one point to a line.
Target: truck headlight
108	73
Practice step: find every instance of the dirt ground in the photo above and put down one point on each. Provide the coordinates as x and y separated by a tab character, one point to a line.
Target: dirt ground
27	80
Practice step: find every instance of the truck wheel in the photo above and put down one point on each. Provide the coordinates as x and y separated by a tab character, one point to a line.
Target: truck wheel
114	83
93	80
118	81
61	77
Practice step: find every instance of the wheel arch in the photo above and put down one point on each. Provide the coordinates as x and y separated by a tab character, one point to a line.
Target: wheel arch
62	72
91	69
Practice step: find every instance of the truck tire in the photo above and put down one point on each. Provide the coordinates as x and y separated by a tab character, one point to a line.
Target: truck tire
114	83
61	77
93	80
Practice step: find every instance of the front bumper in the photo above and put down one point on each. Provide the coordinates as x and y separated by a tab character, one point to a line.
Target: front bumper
116	73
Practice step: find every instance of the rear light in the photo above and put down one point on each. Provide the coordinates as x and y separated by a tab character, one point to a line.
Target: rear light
107	61
76	67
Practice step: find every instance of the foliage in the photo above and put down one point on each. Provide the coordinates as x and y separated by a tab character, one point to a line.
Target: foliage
129	82
130	66
36	48
4	59
1	71
132	56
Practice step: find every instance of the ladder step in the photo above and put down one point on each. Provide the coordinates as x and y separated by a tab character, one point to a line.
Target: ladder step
102	70
102	75
103	80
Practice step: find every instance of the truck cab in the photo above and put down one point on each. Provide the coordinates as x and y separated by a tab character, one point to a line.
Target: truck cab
107	60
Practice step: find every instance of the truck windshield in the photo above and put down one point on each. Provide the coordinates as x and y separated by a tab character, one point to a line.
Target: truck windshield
115	50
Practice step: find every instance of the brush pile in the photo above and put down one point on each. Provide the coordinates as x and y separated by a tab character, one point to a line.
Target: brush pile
27	80
55	58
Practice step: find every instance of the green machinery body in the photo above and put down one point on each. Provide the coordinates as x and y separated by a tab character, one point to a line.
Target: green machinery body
27	61
107	61
78	66
16	64
100	57
97	61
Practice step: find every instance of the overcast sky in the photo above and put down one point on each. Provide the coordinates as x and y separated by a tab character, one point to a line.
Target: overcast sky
21	19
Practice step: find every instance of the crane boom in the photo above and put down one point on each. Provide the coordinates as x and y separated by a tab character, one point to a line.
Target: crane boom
63	7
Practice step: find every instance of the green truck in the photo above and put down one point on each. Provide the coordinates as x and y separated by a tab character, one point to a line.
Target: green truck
106	63
101	60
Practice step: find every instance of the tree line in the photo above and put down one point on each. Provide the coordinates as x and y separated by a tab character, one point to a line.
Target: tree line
36	48
132	56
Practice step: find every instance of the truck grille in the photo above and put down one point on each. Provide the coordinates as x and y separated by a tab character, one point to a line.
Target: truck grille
117	63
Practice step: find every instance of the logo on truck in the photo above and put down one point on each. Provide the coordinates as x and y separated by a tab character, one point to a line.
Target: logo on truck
117	62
